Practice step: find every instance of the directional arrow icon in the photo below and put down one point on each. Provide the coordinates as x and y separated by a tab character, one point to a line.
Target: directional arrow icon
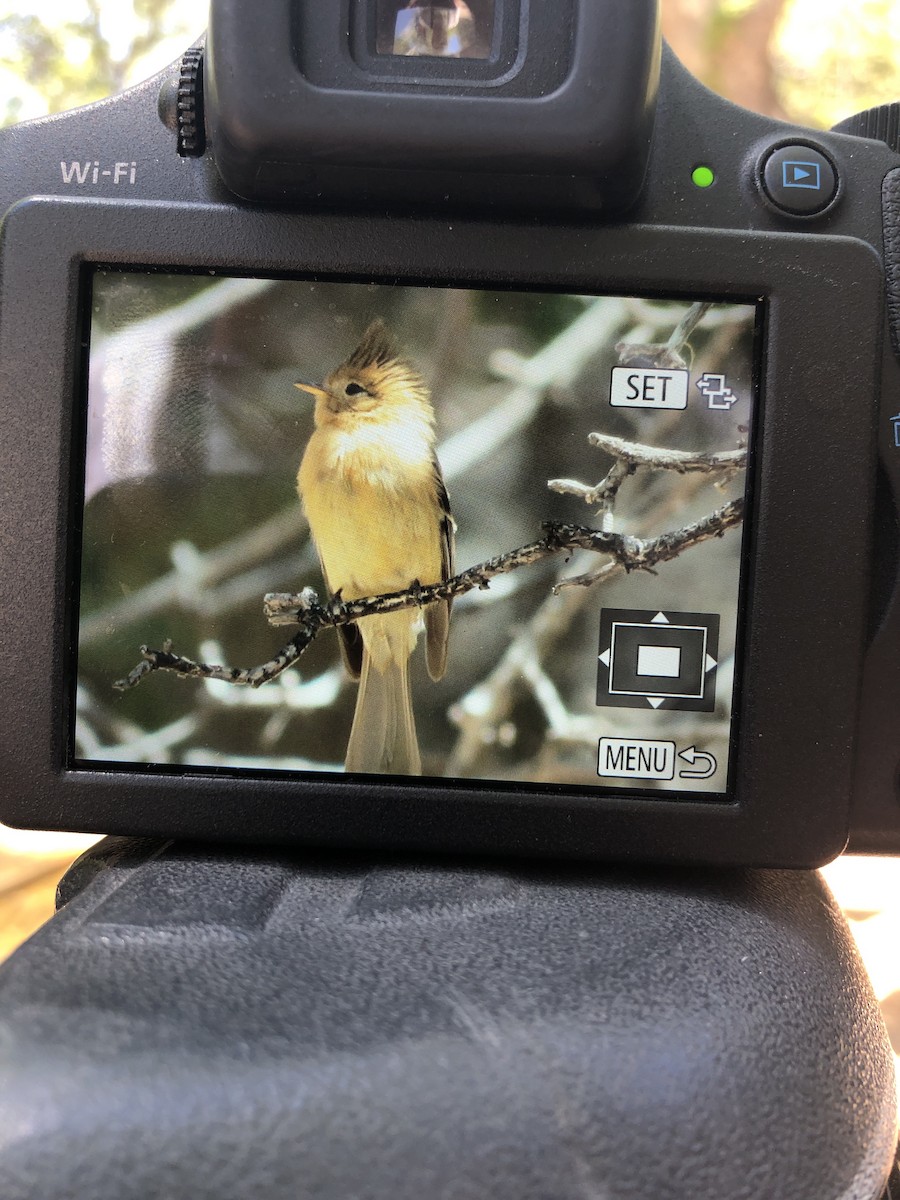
718	394
707	763
659	659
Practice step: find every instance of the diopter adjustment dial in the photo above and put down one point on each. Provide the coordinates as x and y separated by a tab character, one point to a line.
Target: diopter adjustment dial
191	124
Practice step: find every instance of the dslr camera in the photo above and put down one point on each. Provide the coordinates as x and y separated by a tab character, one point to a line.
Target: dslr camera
446	425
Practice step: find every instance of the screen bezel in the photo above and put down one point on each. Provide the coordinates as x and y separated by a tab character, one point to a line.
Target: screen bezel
791	796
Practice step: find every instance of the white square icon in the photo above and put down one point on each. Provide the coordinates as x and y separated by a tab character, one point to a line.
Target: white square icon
660	662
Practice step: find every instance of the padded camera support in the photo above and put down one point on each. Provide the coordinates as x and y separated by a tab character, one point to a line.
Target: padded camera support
204	1025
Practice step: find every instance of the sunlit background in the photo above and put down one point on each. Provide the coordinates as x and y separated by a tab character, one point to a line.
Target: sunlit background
808	61
813	61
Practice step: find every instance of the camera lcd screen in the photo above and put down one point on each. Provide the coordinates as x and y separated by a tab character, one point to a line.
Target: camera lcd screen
571	469
443	29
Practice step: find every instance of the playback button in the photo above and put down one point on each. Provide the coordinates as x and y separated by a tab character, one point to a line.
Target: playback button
799	180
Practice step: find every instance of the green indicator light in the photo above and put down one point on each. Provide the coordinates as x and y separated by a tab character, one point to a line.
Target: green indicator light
704	177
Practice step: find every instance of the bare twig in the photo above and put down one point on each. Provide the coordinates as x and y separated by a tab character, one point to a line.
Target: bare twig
630	553
557	364
483	714
630	456
666	355
681	461
686	327
604	493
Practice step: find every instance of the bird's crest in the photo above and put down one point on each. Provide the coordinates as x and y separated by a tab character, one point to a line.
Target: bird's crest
378	348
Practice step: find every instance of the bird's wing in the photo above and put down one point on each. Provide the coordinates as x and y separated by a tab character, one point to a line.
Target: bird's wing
349	638
437	616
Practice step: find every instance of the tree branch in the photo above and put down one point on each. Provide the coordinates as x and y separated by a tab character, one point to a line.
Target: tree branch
483	714
666	355
630	456
682	461
686	327
305	609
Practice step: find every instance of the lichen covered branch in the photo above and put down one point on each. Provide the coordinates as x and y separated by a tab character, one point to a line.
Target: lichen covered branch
305	609
630	456
681	461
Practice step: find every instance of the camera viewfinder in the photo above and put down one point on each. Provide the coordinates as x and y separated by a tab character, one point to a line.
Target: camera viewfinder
435	28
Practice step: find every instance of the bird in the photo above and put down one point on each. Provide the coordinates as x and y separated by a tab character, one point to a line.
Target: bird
373	493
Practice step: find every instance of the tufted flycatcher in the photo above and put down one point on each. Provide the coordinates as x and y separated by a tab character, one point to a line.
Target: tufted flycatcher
371	487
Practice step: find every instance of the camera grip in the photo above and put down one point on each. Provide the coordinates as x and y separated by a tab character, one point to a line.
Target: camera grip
197	1024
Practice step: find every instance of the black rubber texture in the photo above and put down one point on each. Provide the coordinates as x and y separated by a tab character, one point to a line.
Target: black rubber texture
213	1027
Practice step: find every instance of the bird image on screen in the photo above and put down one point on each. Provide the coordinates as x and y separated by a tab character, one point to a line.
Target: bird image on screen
372	490
596	447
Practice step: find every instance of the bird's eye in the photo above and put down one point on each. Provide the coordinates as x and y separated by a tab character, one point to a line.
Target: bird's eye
353	389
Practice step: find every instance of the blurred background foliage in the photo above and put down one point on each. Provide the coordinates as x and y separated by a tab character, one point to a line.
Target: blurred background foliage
808	61
58	54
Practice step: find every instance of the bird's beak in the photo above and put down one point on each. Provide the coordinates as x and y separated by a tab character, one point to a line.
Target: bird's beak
319	393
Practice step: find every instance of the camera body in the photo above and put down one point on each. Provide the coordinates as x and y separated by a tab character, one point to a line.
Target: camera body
741	281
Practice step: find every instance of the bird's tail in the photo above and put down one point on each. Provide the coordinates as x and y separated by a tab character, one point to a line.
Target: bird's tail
383	738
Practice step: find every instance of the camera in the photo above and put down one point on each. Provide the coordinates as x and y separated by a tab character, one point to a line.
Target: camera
450	426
